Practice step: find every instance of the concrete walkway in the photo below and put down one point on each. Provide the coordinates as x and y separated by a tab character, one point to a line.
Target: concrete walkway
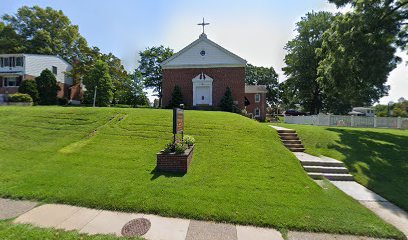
379	205
92	221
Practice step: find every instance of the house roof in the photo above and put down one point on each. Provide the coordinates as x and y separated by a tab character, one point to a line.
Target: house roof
256	89
203	53
32	54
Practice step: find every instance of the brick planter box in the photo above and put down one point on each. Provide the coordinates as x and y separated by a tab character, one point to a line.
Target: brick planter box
176	163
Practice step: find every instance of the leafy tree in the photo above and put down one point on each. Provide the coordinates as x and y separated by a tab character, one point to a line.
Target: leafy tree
118	74
302	62
43	31
30	87
176	97
150	68
47	88
132	91
264	76
358	52
99	77
227	101
10	41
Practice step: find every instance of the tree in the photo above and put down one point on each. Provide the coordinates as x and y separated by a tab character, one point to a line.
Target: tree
358	53
150	68
10	41
176	97
118	74
302	62
43	31
99	77
227	101
132	91
264	76
30	87
47	88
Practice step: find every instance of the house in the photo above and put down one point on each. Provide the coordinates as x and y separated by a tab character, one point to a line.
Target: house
15	68
362	111
255	101
204	70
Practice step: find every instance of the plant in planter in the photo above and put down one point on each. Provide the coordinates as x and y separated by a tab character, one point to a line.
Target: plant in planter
176	156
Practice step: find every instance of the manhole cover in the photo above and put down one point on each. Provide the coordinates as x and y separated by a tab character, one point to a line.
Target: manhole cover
136	227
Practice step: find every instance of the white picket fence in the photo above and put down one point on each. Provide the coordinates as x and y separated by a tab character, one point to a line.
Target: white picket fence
349	121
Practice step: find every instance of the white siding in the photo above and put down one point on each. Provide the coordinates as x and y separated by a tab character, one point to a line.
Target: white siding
35	64
214	56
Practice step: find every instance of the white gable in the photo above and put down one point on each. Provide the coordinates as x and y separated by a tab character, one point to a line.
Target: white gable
203	53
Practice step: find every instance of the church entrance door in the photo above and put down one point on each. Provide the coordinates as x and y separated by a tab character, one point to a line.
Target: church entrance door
203	94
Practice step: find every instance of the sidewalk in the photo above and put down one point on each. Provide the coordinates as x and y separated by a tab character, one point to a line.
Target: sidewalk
93	221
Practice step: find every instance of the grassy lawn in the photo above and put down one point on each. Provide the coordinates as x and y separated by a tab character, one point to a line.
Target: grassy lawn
9	231
105	158
378	158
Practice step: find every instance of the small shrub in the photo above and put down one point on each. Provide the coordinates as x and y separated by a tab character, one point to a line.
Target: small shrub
189	140
30	87
20	97
177	147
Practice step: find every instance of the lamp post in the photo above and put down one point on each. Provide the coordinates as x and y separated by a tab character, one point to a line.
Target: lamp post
94	100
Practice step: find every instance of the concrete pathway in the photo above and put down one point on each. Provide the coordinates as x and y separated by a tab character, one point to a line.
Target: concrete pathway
12	208
379	205
92	221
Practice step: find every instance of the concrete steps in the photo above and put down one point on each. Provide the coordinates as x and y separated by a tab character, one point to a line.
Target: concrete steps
316	167
291	140
324	167
331	176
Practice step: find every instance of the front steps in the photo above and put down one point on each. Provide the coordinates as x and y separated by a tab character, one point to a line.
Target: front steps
324	167
291	140
316	167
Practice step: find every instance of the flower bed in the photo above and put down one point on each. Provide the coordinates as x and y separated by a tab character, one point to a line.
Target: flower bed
177	156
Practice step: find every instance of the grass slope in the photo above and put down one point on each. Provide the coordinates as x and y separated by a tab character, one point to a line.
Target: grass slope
9	231
378	158
105	158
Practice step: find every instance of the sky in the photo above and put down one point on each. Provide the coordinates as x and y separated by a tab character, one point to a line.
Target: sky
255	30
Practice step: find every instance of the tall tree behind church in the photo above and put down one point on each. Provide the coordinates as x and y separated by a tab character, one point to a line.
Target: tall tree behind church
150	68
302	62
264	76
359	52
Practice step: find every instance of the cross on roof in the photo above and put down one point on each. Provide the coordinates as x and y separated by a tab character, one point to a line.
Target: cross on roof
203	24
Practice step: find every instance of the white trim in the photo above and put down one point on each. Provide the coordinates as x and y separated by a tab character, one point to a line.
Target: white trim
259	96
202	80
257	115
204	66
203	39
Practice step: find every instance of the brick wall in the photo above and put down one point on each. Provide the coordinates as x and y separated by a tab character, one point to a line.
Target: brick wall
233	77
253	105
178	163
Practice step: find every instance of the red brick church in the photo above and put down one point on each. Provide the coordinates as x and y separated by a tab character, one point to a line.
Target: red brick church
204	70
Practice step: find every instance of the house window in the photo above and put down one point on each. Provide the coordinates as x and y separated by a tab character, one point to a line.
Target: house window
257	112
19	61
257	97
54	70
10	82
6	62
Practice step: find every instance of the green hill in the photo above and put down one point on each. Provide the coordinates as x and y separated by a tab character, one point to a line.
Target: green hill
105	158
